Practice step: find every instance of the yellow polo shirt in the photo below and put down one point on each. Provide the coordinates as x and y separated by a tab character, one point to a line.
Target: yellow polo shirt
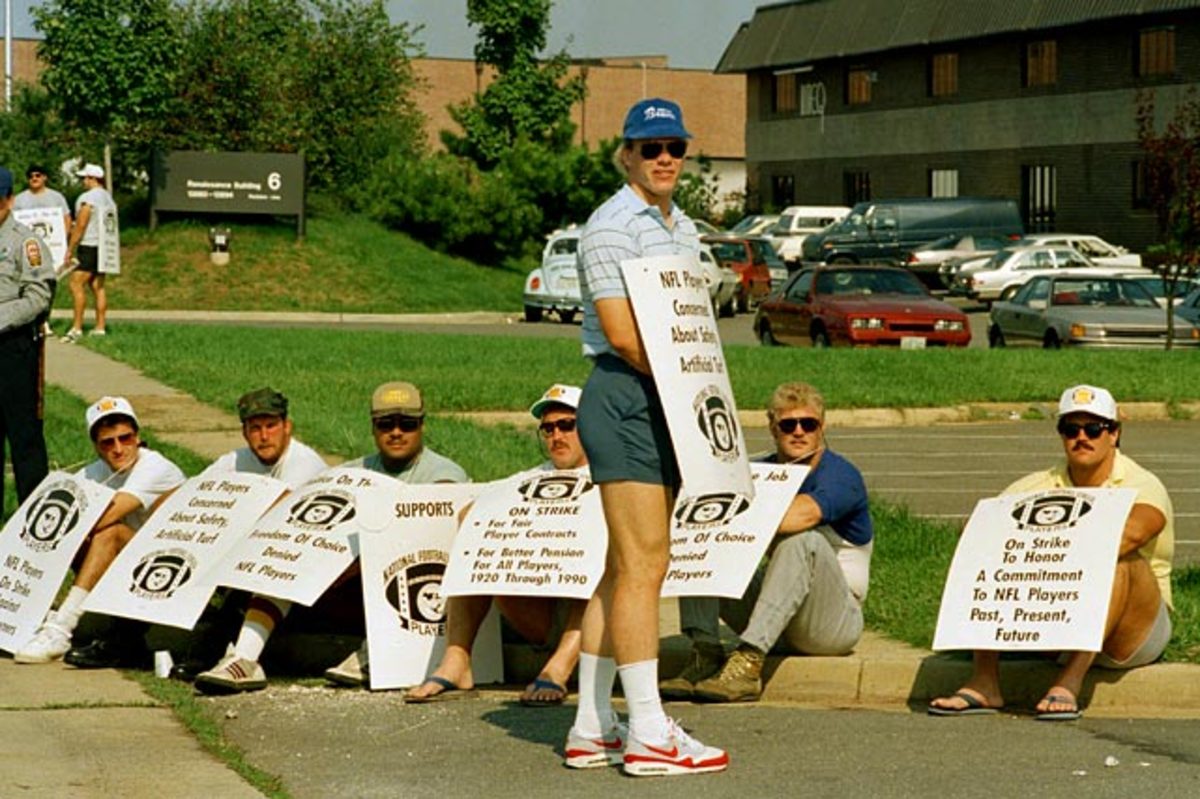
1126	473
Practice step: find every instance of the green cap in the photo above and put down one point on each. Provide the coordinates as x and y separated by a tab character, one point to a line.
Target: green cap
262	402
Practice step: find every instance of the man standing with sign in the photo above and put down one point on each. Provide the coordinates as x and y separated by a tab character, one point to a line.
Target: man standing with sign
624	432
809	592
140	476
84	244
26	288
1138	624
534	619
398	424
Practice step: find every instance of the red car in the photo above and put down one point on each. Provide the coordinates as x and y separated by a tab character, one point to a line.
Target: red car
858	306
751	258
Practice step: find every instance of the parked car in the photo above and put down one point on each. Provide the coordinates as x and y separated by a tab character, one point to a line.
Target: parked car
1158	288
883	230
858	306
1080	310
754	225
554	286
1014	266
751	258
796	223
723	282
705	228
1189	307
1094	248
926	260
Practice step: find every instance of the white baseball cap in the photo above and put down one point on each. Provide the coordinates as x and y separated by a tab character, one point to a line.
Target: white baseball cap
557	394
109	406
91	171
1088	399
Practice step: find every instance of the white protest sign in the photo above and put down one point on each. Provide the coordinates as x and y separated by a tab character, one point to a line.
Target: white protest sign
1034	571
539	534
303	544
49	224
403	567
109	252
37	546
717	541
675	318
164	574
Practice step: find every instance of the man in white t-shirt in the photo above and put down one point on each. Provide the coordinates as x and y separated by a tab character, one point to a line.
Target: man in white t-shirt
533	618
38	194
84	244
140	476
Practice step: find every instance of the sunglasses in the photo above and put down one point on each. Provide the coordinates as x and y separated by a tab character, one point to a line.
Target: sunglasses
387	424
108	443
1069	430
676	148
806	423
561	425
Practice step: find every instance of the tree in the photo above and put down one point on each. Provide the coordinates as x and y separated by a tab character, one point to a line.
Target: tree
528	100
1171	173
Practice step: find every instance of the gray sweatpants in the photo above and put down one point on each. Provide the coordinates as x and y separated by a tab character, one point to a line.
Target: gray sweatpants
797	603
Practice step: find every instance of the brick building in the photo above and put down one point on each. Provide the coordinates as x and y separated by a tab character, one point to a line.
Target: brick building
1030	99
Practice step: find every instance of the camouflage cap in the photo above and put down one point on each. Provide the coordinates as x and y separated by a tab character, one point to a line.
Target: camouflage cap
263	401
397	397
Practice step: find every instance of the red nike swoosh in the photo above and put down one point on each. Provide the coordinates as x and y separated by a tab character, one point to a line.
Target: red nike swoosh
617	744
672	752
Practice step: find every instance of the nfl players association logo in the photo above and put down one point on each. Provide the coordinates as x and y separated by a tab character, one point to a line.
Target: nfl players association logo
1055	510
53	515
159	574
554	487
707	510
715	418
323	510
413	587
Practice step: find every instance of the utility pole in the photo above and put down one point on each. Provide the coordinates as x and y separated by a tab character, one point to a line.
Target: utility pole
8	65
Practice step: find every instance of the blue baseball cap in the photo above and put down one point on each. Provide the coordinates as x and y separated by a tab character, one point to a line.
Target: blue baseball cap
655	118
6	182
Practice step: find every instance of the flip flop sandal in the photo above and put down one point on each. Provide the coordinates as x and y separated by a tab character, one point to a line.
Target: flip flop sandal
449	693
541	684
974	707
1060	715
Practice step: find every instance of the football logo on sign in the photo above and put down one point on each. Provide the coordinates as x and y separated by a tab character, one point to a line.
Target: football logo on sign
708	510
1049	512
554	488
714	417
322	511
414	588
160	574
52	516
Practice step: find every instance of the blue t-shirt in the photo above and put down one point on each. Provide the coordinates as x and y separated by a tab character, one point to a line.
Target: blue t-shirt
837	486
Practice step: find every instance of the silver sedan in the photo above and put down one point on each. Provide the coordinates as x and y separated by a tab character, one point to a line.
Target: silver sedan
1055	311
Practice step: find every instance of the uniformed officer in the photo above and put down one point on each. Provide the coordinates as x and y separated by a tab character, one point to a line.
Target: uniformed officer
26	288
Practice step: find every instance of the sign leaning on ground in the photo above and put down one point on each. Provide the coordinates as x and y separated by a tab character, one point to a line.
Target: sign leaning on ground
1034	571
37	546
164	574
403	570
228	183
675	318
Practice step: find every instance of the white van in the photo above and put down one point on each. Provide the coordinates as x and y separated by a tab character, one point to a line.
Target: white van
796	222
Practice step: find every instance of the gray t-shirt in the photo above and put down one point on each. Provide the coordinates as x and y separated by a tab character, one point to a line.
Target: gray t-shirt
46	198
99	199
427	467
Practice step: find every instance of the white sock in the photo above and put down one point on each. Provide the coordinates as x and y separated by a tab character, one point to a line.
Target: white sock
252	640
647	721
72	607
595	714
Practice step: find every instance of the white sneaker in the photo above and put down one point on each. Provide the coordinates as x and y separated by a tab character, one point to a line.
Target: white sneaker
680	754
51	641
352	671
232	675
72	336
607	750
98	331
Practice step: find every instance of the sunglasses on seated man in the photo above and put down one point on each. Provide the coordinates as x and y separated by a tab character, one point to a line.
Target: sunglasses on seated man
806	423
676	148
1092	430
561	425
407	424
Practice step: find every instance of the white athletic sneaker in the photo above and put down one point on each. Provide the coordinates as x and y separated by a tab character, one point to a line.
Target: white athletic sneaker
72	336
680	754
51	641
607	750
232	675
352	671
98	331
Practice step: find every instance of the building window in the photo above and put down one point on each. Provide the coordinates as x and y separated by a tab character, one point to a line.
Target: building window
1041	63
1156	52
943	75
1141	185
856	186
785	96
858	85
783	191
1039	197
943	183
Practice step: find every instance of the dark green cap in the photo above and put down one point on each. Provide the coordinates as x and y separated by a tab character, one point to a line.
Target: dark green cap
262	402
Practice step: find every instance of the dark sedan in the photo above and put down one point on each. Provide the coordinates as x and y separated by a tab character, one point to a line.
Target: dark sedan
858	306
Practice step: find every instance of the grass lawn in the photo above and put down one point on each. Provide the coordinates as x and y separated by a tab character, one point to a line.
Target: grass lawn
346	264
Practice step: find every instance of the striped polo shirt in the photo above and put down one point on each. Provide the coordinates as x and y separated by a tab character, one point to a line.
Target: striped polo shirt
623	228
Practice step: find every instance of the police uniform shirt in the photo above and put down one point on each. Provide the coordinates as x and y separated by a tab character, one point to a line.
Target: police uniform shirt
26	275
151	476
298	464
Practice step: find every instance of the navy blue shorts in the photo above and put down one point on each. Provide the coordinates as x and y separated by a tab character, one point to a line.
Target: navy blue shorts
623	428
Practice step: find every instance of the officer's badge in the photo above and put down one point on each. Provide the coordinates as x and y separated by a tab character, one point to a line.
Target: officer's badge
33	253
